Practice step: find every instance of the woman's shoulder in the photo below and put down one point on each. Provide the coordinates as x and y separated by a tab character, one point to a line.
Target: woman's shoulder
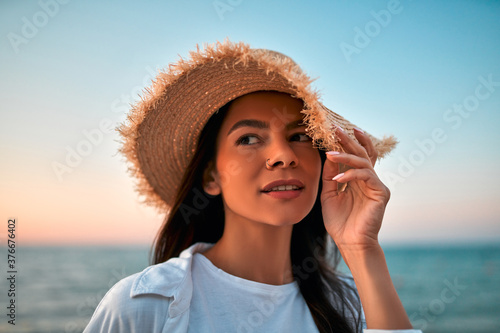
126	308
145	300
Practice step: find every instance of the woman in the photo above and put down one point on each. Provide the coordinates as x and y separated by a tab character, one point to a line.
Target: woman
232	143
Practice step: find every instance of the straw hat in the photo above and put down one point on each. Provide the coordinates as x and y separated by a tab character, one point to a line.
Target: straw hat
162	129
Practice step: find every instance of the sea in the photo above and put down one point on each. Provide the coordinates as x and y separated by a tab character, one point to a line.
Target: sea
445	288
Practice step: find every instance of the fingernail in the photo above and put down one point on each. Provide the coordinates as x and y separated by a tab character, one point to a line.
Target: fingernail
332	152
337	176
359	130
340	128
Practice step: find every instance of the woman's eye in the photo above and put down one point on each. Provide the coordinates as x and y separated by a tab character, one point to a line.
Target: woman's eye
247	140
301	137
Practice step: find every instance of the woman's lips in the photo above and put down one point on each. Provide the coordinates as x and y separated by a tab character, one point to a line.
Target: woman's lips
292	194
284	189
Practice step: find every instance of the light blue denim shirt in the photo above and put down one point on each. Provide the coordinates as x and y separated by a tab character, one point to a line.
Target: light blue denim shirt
150	302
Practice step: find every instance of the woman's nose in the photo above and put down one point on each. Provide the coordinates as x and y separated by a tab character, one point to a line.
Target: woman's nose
281	155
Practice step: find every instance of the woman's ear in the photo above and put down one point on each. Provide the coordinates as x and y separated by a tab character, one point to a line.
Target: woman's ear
210	184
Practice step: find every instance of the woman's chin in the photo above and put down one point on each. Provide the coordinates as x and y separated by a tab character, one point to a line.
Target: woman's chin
284	219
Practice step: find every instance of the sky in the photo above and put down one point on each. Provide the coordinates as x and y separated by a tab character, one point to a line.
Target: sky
427	72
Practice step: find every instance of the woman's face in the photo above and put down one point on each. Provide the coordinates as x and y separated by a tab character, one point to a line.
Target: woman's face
258	127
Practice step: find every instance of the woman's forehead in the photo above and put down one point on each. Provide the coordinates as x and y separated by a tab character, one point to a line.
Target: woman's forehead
272	107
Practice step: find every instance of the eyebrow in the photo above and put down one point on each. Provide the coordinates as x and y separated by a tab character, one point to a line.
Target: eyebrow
295	124
263	125
249	123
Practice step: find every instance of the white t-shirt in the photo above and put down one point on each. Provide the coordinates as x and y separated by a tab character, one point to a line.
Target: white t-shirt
226	303
189	294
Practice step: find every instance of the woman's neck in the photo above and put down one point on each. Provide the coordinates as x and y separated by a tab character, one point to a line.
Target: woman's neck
254	251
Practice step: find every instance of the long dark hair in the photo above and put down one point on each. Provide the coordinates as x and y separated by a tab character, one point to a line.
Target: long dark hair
198	217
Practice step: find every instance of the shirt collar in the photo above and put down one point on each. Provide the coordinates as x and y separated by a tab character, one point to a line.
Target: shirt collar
170	279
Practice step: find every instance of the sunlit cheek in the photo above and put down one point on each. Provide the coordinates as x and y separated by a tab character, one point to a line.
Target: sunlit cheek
313	167
229	171
311	157
248	155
